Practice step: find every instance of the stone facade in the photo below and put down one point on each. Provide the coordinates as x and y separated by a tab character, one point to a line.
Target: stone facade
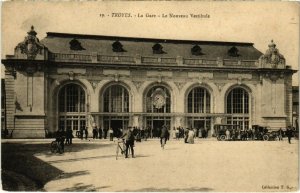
121	88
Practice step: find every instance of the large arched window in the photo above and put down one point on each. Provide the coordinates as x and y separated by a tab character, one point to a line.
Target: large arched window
199	101
72	108
238	101
158	100
116	99
238	106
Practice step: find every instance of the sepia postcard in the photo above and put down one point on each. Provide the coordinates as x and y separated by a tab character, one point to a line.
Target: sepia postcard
149	96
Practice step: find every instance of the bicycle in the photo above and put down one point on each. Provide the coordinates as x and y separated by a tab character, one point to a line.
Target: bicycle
56	147
121	146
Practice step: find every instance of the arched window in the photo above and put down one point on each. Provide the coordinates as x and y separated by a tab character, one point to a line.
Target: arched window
72	108
199	101
158	100
116	99
238	106
238	101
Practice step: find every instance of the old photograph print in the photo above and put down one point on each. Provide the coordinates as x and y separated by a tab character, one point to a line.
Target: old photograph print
149	96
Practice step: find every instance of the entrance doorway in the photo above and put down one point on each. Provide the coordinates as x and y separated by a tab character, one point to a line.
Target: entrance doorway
198	124
203	123
156	123
116	125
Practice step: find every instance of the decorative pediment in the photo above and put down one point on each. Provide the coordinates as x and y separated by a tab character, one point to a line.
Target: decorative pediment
31	45
272	56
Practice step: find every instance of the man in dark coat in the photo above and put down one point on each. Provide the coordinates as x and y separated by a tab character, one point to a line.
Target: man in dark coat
163	135
95	133
280	134
289	133
129	141
81	132
86	133
100	133
105	132
69	136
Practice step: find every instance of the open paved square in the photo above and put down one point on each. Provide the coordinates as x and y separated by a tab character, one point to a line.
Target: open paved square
207	165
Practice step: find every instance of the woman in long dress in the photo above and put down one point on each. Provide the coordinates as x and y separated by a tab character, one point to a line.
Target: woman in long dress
191	136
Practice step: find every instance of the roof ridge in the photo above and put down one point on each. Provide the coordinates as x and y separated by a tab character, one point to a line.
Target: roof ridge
157	40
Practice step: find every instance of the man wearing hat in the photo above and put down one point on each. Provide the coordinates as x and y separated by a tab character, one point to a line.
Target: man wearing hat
129	141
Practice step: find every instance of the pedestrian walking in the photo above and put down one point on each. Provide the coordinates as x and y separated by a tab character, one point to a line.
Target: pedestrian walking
111	134
191	135
289	133
163	136
280	134
69	136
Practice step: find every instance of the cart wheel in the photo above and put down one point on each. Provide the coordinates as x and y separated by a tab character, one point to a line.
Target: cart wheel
222	137
266	137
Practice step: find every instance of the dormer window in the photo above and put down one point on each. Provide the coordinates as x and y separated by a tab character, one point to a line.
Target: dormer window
117	47
75	45
157	49
233	52
196	50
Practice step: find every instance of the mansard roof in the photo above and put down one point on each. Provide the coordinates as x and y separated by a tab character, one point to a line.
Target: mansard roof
60	43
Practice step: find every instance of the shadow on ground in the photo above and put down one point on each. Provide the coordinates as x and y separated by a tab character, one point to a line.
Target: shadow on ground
18	160
80	187
81	159
152	189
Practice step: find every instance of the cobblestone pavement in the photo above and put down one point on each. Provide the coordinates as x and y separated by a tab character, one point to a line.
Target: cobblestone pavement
207	165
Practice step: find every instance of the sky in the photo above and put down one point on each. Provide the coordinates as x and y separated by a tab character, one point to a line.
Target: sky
256	22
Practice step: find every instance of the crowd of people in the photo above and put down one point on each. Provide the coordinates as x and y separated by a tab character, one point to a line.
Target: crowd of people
164	133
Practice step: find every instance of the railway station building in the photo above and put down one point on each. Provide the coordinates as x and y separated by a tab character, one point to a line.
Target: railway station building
74	81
